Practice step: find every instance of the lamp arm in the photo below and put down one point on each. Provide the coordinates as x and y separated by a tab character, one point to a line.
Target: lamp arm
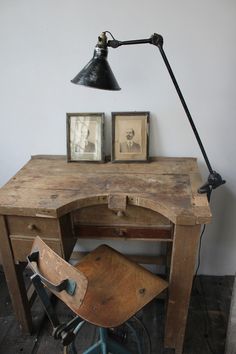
214	179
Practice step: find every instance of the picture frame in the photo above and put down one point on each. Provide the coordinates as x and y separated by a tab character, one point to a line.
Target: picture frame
85	133
130	136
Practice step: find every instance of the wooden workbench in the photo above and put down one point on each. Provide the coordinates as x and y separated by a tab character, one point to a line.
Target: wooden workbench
62	202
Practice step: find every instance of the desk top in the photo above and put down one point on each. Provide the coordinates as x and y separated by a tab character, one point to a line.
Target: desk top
49	186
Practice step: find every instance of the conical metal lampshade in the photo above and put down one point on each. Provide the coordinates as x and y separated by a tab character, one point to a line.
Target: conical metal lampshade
97	73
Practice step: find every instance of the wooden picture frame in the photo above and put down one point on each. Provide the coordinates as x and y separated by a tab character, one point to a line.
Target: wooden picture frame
85	132
130	136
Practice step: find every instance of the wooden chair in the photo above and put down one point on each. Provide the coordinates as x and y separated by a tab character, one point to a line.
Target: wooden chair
104	288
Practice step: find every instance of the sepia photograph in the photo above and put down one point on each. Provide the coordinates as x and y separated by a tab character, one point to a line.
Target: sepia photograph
85	136
130	136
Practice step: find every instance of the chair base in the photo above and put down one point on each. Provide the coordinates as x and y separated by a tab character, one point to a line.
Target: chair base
106	345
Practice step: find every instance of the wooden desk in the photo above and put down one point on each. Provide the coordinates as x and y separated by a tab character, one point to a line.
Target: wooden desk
61	201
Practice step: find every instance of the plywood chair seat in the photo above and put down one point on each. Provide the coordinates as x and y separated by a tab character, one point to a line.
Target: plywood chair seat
110	288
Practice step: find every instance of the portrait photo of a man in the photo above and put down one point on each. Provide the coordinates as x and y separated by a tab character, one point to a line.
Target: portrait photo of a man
84	136
84	145
130	131
130	145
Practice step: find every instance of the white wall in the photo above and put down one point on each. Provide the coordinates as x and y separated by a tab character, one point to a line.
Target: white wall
43	45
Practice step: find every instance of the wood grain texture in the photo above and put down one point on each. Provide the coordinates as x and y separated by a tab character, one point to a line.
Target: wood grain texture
183	258
15	280
106	283
51	187
55	269
133	216
21	246
32	226
116	286
155	201
76	256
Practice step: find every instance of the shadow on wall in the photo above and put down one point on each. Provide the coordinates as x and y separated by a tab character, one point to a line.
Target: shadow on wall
219	241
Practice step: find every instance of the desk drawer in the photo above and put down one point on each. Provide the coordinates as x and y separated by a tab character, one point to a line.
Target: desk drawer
134	233
22	247
32	226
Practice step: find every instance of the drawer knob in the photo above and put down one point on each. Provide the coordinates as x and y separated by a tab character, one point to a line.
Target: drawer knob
32	227
119	232
120	213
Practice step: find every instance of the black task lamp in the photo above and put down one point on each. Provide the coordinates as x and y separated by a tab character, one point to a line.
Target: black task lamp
98	74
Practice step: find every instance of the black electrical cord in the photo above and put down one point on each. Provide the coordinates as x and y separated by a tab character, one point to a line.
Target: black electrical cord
205	309
199	252
110	34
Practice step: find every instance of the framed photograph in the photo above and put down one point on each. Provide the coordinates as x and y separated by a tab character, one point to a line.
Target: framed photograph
85	137
130	136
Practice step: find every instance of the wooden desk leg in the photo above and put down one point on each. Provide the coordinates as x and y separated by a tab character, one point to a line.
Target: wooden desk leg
184	251
15	282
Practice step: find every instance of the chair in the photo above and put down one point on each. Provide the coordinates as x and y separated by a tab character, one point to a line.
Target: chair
105	288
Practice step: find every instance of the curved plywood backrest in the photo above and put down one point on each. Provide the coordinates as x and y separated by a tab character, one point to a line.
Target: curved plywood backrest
55	270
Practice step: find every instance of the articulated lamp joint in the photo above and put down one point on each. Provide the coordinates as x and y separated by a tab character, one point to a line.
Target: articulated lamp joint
157	40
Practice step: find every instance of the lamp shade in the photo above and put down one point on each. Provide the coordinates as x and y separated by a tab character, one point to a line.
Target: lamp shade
97	73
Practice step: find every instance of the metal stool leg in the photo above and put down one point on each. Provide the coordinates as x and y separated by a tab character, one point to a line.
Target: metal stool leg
103	339
100	346
96	349
106	345
116	348
112	346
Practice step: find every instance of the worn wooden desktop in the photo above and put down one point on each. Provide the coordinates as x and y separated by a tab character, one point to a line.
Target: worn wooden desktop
62	202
